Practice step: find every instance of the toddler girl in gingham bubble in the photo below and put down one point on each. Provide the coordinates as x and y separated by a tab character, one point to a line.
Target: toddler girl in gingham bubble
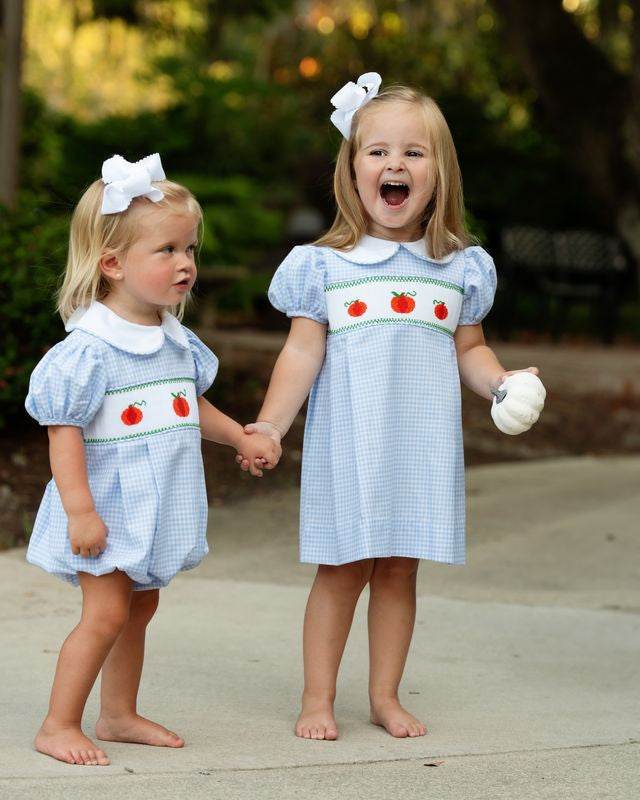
386	311
122	398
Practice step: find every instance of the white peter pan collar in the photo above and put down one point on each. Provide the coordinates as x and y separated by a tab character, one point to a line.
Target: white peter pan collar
371	250
128	336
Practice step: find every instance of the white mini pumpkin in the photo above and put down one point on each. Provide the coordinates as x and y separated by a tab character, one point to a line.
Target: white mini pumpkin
520	407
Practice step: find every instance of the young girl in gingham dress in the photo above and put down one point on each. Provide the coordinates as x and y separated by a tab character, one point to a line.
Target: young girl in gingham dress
122	399
386	315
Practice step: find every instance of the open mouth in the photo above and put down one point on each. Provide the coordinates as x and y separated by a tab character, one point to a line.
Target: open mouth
394	193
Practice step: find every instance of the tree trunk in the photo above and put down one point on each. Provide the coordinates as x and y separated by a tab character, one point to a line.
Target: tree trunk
594	109
10	104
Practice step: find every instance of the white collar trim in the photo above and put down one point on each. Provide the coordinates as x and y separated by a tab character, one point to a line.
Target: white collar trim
128	336
371	250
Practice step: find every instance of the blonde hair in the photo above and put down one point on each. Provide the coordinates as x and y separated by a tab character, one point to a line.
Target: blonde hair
92	233
443	222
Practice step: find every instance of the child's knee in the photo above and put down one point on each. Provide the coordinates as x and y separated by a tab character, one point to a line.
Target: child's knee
396	568
109	625
353	576
144	605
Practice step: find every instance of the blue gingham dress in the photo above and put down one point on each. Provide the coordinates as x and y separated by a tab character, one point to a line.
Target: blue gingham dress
150	490
382	468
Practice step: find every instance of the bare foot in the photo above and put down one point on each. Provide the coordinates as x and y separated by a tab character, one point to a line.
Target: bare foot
138	730
390	715
316	721
69	744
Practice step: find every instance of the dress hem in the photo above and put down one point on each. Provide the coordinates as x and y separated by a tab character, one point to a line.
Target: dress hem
331	563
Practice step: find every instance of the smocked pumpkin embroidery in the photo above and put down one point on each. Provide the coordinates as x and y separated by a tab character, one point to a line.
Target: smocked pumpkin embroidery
180	405
403	303
132	414
440	309
355	308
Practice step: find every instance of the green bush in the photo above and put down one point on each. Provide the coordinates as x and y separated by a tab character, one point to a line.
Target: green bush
238	223
33	247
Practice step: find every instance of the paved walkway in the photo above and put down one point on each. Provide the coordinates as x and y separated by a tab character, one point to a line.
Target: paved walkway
525	662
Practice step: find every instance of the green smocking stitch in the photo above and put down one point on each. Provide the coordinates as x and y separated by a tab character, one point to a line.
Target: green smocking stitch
393	278
392	321
150	383
141	434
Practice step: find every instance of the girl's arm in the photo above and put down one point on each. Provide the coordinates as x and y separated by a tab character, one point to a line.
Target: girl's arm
293	375
87	532
218	427
478	365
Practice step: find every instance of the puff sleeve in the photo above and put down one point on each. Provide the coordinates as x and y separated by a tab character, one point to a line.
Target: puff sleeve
206	363
67	386
479	286
297	288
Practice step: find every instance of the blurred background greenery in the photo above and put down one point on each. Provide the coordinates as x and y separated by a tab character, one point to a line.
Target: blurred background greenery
543	100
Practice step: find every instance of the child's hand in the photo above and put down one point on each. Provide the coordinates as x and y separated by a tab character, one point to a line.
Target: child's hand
87	534
257	452
505	375
265	428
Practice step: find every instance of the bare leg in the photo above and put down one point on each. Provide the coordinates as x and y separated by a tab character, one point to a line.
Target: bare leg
327	622
121	673
392	611
105	608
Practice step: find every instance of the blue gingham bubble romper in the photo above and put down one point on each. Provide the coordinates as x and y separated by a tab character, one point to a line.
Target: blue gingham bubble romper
382	468
149	487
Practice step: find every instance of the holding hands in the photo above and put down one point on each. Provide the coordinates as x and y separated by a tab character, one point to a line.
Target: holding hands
254	453
258	448
267	438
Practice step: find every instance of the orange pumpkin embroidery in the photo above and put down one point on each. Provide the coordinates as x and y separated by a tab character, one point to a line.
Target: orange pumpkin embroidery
180	404
132	414
403	303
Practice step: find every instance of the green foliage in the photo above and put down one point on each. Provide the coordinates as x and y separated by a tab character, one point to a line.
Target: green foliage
232	207
242	107
42	144
246	295
32	251
248	128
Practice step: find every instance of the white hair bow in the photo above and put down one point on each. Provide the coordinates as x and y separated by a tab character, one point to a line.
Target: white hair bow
349	99
124	181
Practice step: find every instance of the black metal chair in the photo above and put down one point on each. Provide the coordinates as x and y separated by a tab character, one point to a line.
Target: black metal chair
563	268
589	268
